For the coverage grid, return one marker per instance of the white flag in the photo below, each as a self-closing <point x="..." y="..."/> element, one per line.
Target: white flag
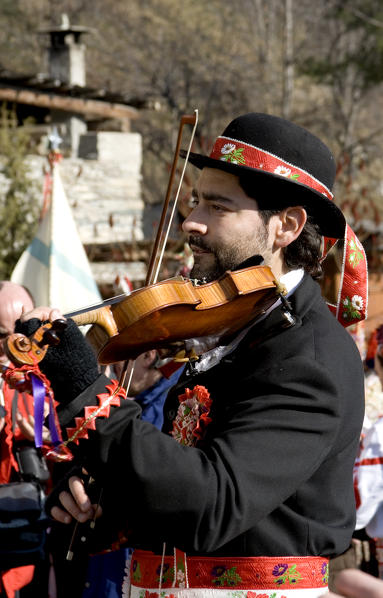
<point x="55" y="267"/>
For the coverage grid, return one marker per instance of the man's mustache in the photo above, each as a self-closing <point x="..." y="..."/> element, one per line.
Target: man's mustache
<point x="200" y="243"/>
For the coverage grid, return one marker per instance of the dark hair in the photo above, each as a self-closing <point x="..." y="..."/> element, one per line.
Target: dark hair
<point x="305" y="251"/>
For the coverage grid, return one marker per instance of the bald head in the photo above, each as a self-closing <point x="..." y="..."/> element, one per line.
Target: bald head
<point x="14" y="300"/>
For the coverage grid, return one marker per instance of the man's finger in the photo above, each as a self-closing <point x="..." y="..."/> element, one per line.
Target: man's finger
<point x="60" y="515"/>
<point x="357" y="584"/>
<point x="71" y="506"/>
<point x="76" y="486"/>
<point x="42" y="313"/>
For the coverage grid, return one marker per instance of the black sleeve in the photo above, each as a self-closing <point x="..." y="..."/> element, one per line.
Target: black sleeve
<point x="201" y="498"/>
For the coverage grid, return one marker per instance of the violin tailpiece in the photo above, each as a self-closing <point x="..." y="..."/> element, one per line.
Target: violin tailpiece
<point x="280" y="288"/>
<point x="185" y="356"/>
<point x="287" y="312"/>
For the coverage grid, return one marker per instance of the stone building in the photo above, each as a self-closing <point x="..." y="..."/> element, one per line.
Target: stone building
<point x="101" y="169"/>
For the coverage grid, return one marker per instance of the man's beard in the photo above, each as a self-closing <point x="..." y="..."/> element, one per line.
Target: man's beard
<point x="225" y="257"/>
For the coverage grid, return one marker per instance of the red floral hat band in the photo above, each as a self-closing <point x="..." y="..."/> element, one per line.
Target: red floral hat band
<point x="243" y="154"/>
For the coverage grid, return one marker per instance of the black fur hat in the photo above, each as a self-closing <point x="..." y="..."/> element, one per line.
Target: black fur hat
<point x="285" y="162"/>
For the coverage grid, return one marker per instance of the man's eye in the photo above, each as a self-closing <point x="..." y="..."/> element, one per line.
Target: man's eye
<point x="217" y="208"/>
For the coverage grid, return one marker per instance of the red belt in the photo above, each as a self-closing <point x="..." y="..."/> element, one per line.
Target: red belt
<point x="227" y="572"/>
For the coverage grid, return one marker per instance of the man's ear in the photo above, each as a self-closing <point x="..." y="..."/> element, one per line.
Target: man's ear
<point x="288" y="226"/>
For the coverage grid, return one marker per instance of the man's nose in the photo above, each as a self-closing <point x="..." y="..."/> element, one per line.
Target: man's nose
<point x="193" y="224"/>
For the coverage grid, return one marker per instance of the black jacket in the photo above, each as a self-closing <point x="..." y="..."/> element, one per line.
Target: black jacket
<point x="273" y="475"/>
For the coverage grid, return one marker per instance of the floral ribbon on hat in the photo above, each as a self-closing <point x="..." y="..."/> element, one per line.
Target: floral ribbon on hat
<point x="244" y="154"/>
<point x="351" y="306"/>
<point x="352" y="301"/>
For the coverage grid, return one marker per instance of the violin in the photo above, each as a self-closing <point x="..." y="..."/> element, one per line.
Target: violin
<point x="158" y="315"/>
<point x="177" y="310"/>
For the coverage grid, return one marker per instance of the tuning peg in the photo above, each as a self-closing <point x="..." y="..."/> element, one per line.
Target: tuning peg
<point x="59" y="325"/>
<point x="50" y="336"/>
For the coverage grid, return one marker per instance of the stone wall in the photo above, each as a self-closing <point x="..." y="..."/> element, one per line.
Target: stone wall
<point x="103" y="188"/>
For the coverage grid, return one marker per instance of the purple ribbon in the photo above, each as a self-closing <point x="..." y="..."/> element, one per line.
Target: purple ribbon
<point x="38" y="391"/>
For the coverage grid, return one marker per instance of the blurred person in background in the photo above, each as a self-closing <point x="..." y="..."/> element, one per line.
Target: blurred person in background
<point x="16" y="433"/>
<point x="369" y="465"/>
<point x="356" y="584"/>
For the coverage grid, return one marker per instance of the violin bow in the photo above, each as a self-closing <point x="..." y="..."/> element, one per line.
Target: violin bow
<point x="161" y="239"/>
<point x="157" y="251"/>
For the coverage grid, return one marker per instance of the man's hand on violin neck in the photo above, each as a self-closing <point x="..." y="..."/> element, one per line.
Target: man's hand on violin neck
<point x="76" y="504"/>
<point x="43" y="314"/>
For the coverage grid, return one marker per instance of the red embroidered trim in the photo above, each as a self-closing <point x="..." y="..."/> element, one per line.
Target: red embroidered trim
<point x="256" y="573"/>
<point x="105" y="400"/>
<point x="238" y="152"/>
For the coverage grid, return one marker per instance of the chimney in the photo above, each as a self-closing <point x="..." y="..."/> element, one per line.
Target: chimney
<point x="66" y="65"/>
<point x="66" y="54"/>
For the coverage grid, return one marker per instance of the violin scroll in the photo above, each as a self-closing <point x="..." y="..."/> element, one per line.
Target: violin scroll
<point x="23" y="350"/>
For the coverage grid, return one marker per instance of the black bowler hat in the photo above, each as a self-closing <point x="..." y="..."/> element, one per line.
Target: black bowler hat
<point x="289" y="166"/>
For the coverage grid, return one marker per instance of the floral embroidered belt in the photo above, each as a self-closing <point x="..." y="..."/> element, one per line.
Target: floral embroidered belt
<point x="179" y="571"/>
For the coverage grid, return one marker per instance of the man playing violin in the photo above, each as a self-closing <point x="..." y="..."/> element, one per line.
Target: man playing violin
<point x="247" y="491"/>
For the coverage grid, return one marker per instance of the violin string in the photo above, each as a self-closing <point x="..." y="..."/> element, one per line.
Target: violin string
<point x="94" y="306"/>
<point x="165" y="239"/>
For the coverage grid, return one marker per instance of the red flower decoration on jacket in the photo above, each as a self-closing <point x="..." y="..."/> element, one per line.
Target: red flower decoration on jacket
<point x="192" y="416"/>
